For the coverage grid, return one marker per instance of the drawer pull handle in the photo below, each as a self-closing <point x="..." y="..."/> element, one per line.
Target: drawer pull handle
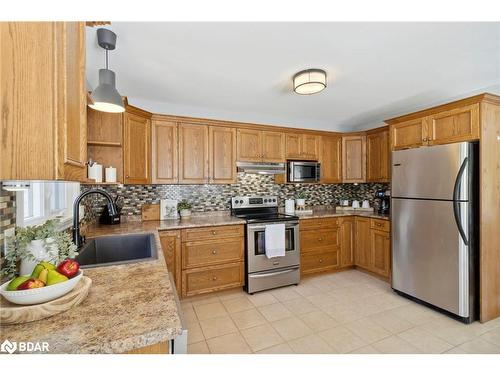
<point x="214" y="252"/>
<point x="378" y="224"/>
<point x="214" y="232"/>
<point x="321" y="260"/>
<point x="214" y="278"/>
<point x="320" y="239"/>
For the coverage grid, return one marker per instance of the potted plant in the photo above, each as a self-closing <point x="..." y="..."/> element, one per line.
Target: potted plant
<point x="184" y="208"/>
<point x="35" y="244"/>
<point x="300" y="199"/>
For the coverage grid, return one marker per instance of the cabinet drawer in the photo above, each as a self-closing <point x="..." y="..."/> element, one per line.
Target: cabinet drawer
<point x="212" y="233"/>
<point x="310" y="224"/>
<point x="319" y="261"/>
<point x="210" y="279"/>
<point x="319" y="239"/>
<point x="380" y="224"/>
<point x="206" y="253"/>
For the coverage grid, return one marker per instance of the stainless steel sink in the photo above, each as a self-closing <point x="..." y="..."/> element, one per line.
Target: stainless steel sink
<point x="118" y="249"/>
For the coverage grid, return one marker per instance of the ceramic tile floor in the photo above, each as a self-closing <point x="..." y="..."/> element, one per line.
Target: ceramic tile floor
<point x="345" y="312"/>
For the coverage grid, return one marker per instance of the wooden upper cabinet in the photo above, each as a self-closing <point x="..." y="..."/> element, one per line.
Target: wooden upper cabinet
<point x="260" y="146"/>
<point x="408" y="134"/>
<point x="43" y="110"/>
<point x="273" y="147"/>
<point x="354" y="158"/>
<point x="347" y="231"/>
<point x="302" y="146"/>
<point x="456" y="125"/>
<point x="164" y="152"/>
<point x="136" y="148"/>
<point x="362" y="254"/>
<point x="193" y="154"/>
<point x="331" y="159"/>
<point x="249" y="145"/>
<point x="378" y="156"/>
<point x="222" y="151"/>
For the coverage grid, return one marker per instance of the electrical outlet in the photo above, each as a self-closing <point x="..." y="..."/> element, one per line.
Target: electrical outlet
<point x="6" y="234"/>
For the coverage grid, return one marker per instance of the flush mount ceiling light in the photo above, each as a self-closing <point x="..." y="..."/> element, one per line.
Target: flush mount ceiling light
<point x="15" y="185"/>
<point x="310" y="81"/>
<point x="105" y="97"/>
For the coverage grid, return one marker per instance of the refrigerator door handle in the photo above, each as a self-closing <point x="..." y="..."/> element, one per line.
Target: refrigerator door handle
<point x="456" y="201"/>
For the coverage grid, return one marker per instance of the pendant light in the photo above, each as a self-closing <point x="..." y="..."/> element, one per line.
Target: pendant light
<point x="310" y="81"/>
<point x="105" y="97"/>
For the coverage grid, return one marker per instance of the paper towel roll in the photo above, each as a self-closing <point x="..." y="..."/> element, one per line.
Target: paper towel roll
<point x="290" y="206"/>
<point x="110" y="174"/>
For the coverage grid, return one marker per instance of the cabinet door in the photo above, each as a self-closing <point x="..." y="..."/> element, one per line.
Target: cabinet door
<point x="293" y="145"/>
<point x="377" y="157"/>
<point x="310" y="147"/>
<point x="380" y="252"/>
<point x="222" y="150"/>
<point x="362" y="255"/>
<point x="171" y="246"/>
<point x="408" y="134"/>
<point x="193" y="154"/>
<point x="331" y="163"/>
<point x="136" y="148"/>
<point x="165" y="152"/>
<point x="456" y="125"/>
<point x="347" y="241"/>
<point x="72" y="102"/>
<point x="354" y="158"/>
<point x="249" y="145"/>
<point x="273" y="147"/>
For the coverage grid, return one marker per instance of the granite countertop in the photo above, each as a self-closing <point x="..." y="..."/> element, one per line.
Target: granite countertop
<point x="331" y="211"/>
<point x="128" y="307"/>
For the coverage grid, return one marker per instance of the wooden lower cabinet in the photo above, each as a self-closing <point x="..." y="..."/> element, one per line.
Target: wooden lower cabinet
<point x="347" y="229"/>
<point x="210" y="279"/>
<point x="319" y="245"/>
<point x="373" y="246"/>
<point x="319" y="261"/>
<point x="159" y="348"/>
<point x="211" y="259"/>
<point x="171" y="246"/>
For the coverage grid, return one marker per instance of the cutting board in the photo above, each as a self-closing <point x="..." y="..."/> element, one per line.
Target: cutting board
<point x="15" y="314"/>
<point x="150" y="212"/>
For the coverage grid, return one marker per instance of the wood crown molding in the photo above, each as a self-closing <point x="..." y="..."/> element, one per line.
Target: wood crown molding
<point x="485" y="97"/>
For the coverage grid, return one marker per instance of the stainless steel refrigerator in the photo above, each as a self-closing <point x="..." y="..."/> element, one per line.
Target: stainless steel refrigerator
<point x="434" y="206"/>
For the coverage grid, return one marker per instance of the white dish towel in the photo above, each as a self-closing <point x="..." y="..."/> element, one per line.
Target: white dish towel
<point x="275" y="240"/>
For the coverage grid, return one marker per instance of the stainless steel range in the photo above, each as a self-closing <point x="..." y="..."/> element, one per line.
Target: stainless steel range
<point x="264" y="273"/>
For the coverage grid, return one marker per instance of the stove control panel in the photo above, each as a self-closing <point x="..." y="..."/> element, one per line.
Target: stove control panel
<point x="254" y="201"/>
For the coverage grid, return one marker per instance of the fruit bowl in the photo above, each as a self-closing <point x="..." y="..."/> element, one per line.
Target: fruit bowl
<point x="40" y="295"/>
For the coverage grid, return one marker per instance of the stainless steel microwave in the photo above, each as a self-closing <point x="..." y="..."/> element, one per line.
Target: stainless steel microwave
<point x="303" y="171"/>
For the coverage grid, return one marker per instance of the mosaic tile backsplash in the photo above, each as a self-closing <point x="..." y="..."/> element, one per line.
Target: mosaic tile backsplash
<point x="7" y="213"/>
<point x="217" y="197"/>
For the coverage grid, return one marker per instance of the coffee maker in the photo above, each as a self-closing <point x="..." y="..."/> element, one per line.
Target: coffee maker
<point x="384" y="197"/>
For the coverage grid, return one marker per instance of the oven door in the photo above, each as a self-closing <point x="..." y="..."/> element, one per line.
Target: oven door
<point x="256" y="248"/>
<point x="303" y="171"/>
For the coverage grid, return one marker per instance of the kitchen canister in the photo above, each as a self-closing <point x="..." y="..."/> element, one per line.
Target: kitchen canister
<point x="290" y="206"/>
<point x="110" y="174"/>
<point x="95" y="172"/>
<point x="355" y="204"/>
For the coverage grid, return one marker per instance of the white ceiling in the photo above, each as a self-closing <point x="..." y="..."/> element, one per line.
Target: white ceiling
<point x="242" y="71"/>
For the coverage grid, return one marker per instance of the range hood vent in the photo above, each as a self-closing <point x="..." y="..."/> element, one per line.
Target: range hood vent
<point x="261" y="168"/>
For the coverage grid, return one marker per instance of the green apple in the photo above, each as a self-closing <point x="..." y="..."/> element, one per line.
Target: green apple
<point x="40" y="267"/>
<point x="54" y="277"/>
<point x="16" y="282"/>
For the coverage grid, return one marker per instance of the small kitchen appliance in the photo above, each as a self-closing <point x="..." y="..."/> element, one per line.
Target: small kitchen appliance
<point x="384" y="198"/>
<point x="261" y="272"/>
<point x="303" y="171"/>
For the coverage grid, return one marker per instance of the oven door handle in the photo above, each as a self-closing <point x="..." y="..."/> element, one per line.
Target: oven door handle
<point x="260" y="227"/>
<point x="259" y="275"/>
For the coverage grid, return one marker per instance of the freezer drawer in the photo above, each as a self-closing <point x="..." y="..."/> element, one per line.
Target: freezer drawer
<point x="429" y="257"/>
<point x="431" y="172"/>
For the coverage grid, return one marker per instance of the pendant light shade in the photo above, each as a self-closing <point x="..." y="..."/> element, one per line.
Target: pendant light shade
<point x="105" y="97"/>
<point x="310" y="81"/>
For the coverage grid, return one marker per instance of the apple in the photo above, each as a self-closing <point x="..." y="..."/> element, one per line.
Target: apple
<point x="31" y="284"/>
<point x="68" y="268"/>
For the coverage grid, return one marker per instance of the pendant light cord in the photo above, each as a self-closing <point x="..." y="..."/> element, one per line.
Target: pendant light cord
<point x="106" y="59"/>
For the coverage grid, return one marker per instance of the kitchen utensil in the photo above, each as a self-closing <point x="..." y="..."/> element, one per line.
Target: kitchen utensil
<point x="39" y="295"/>
<point x="14" y="314"/>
